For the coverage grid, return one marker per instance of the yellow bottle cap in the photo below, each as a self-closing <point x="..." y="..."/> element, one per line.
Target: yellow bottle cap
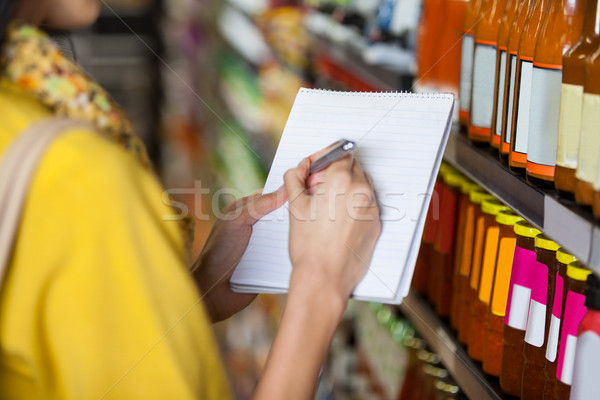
<point x="508" y="217"/>
<point x="453" y="179"/>
<point x="565" y="258"/>
<point x="577" y="272"/>
<point x="543" y="242"/>
<point x="477" y="196"/>
<point x="524" y="228"/>
<point x="443" y="168"/>
<point x="468" y="186"/>
<point x="493" y="206"/>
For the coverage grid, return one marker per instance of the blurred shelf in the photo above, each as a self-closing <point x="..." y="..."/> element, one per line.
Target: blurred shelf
<point x="468" y="374"/>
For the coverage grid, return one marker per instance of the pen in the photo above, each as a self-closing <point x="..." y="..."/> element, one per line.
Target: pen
<point x="339" y="149"/>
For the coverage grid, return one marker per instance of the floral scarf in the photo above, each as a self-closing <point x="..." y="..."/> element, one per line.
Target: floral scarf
<point x="34" y="63"/>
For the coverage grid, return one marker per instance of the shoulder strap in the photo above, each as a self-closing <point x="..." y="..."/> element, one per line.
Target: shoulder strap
<point x="17" y="168"/>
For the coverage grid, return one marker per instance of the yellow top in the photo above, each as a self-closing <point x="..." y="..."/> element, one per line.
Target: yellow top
<point x="543" y="242"/>
<point x="477" y="196"/>
<point x="97" y="301"/>
<point x="493" y="206"/>
<point x="524" y="228"/>
<point x="577" y="272"/>
<point x="565" y="258"/>
<point x="468" y="186"/>
<point x="508" y="217"/>
<point x="453" y="179"/>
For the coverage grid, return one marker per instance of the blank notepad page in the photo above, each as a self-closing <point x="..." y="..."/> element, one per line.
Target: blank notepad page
<point x="400" y="139"/>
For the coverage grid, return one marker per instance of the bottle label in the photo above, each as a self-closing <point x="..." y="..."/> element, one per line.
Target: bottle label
<point x="575" y="310"/>
<point x="519" y="291"/>
<point x="586" y="384"/>
<point x="506" y="252"/>
<point x="512" y="72"/>
<point x="488" y="264"/>
<point x="484" y="73"/>
<point x="552" y="346"/>
<point x="466" y="71"/>
<point x="523" y="98"/>
<point x="543" y="119"/>
<point x="569" y="125"/>
<point x="500" y="82"/>
<point x="536" y="321"/>
<point x="589" y="139"/>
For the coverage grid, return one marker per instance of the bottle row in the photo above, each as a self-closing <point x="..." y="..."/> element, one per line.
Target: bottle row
<point x="521" y="304"/>
<point x="530" y="87"/>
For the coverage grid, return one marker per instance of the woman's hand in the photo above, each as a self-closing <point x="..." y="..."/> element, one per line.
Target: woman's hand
<point x="334" y="224"/>
<point x="223" y="250"/>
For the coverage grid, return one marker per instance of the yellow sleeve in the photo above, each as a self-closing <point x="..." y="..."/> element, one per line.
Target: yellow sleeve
<point x="98" y="302"/>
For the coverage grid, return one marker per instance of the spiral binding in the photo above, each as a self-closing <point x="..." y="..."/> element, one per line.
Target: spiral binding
<point x="396" y="94"/>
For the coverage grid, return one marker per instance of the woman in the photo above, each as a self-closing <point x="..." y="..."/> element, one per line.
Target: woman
<point x="98" y="301"/>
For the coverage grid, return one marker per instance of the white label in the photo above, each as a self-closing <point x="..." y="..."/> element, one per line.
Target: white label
<point x="569" y="360"/>
<point x="536" y="324"/>
<point x="569" y="125"/>
<point x="523" y="102"/>
<point x="466" y="71"/>
<point x="511" y="95"/>
<point x="552" y="346"/>
<point x="519" y="309"/>
<point x="589" y="139"/>
<point x="484" y="72"/>
<point x="543" y="116"/>
<point x="500" y="98"/>
<point x="586" y="384"/>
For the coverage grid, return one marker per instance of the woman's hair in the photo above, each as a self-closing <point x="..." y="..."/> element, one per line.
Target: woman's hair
<point x="6" y="11"/>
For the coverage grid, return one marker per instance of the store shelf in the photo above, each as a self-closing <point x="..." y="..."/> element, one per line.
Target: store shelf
<point x="468" y="374"/>
<point x="562" y="220"/>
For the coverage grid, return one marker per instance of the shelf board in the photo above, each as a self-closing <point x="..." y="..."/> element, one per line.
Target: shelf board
<point x="467" y="373"/>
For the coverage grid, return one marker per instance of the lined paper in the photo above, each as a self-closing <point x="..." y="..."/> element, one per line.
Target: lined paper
<point x="400" y="141"/>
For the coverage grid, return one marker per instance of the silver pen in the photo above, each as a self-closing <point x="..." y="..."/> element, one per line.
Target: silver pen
<point x="338" y="150"/>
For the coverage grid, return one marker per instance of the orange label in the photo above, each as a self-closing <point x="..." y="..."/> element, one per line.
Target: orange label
<point x="489" y="263"/>
<point x="506" y="252"/>
<point x="477" y="252"/>
<point x="467" y="247"/>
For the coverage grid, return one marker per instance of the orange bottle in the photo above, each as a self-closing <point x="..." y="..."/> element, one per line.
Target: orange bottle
<point x="511" y="71"/>
<point x="571" y="100"/>
<point x="484" y="70"/>
<point x="501" y="58"/>
<point x="481" y="278"/>
<point x="589" y="139"/>
<point x="517" y="158"/>
<point x="466" y="60"/>
<point x="560" y="29"/>
<point x="494" y="323"/>
<point x="430" y="30"/>
<point x="447" y="68"/>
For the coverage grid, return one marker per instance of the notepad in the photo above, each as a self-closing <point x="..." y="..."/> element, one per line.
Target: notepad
<point x="400" y="140"/>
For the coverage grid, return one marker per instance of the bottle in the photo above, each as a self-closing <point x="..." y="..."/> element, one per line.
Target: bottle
<point x="511" y="71"/>
<point x="517" y="308"/>
<point x="538" y="321"/>
<point x="574" y="312"/>
<point x="484" y="64"/>
<point x="429" y="32"/>
<point x="560" y="29"/>
<point x="447" y="68"/>
<point x="444" y="245"/>
<point x="571" y="100"/>
<point x="466" y="188"/>
<point x="501" y="58"/>
<point x="482" y="274"/>
<point x="562" y="260"/>
<point x="413" y="346"/>
<point x="517" y="157"/>
<point x="589" y="140"/>
<point x="466" y="61"/>
<point x="586" y="384"/>
<point x="494" y="320"/>
<point x="471" y="250"/>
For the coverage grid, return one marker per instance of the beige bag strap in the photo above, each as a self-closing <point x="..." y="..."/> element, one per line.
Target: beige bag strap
<point x="17" y="168"/>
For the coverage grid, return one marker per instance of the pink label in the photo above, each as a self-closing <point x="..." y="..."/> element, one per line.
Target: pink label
<point x="558" y="295"/>
<point x="520" y="275"/>
<point x="574" y="313"/>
